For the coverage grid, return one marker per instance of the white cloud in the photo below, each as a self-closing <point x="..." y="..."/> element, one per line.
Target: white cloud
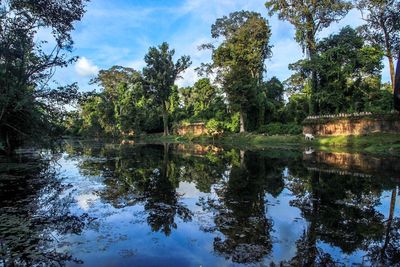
<point x="85" y="67"/>
<point x="137" y="64"/>
<point x="120" y="33"/>
<point x="189" y="77"/>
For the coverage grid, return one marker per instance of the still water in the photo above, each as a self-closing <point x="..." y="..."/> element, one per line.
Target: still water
<point x="96" y="204"/>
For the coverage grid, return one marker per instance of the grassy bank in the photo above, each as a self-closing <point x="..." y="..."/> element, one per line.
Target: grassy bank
<point x="378" y="144"/>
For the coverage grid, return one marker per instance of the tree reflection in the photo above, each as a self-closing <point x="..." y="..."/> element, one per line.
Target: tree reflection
<point x="33" y="213"/>
<point x="240" y="210"/>
<point x="141" y="175"/>
<point x="341" y="210"/>
<point x="386" y="252"/>
<point x="162" y="199"/>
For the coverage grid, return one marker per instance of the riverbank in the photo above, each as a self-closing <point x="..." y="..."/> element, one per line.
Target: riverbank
<point x="377" y="144"/>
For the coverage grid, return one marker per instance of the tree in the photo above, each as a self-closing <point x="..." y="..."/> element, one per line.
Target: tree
<point x="309" y="17"/>
<point x="382" y="27"/>
<point x="296" y="110"/>
<point x="397" y="86"/>
<point x="274" y="99"/>
<point x="239" y="60"/>
<point x="348" y="74"/>
<point x="160" y="75"/>
<point x="27" y="105"/>
<point x="203" y="101"/>
<point x="122" y="108"/>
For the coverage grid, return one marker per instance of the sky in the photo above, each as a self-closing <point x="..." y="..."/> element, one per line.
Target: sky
<point x="120" y="32"/>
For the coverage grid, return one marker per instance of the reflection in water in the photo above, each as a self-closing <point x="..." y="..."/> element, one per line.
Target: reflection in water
<point x="240" y="210"/>
<point x="33" y="213"/>
<point x="180" y="205"/>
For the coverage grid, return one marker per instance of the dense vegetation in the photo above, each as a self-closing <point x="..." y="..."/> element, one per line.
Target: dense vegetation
<point x="30" y="110"/>
<point x="340" y="73"/>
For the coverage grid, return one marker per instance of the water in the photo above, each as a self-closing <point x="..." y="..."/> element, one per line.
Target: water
<point x="96" y="204"/>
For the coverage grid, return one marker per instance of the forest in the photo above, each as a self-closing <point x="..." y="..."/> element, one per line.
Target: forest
<point x="341" y="73"/>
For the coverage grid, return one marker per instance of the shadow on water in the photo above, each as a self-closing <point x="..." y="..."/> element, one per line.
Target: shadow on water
<point x="33" y="212"/>
<point x="204" y="205"/>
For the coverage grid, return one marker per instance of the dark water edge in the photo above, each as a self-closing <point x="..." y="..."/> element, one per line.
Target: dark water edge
<point x="104" y="204"/>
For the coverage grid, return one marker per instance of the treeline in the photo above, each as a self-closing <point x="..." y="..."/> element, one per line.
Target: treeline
<point x="341" y="74"/>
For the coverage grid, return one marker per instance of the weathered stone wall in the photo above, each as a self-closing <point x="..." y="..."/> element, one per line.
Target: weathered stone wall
<point x="352" y="125"/>
<point x="195" y="129"/>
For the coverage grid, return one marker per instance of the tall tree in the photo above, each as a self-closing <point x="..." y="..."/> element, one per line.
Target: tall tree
<point x="275" y="102"/>
<point x="397" y="86"/>
<point x="309" y="17"/>
<point x="348" y="74"/>
<point x="203" y="100"/>
<point x="239" y="59"/>
<point x="382" y="27"/>
<point x="160" y="75"/>
<point x="121" y="108"/>
<point x="27" y="103"/>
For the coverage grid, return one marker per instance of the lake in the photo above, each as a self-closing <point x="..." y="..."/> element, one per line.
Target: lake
<point x="102" y="204"/>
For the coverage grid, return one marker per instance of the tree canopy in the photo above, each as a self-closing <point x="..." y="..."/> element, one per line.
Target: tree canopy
<point x="28" y="106"/>
<point x="239" y="60"/>
<point x="382" y="27"/>
<point x="161" y="73"/>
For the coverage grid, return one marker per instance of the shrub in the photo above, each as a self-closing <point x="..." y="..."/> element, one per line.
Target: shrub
<point x="214" y="127"/>
<point x="233" y="124"/>
<point x="280" y="128"/>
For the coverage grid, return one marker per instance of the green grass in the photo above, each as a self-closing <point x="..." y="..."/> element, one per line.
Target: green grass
<point x="378" y="144"/>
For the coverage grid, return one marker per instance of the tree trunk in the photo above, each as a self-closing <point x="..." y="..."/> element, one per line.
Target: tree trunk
<point x="242" y="155"/>
<point x="164" y="168"/>
<point x="389" y="54"/>
<point x="165" y="119"/>
<point x="242" y="121"/>
<point x="397" y="86"/>
<point x="312" y="51"/>
<point x="391" y="68"/>
<point x="389" y="223"/>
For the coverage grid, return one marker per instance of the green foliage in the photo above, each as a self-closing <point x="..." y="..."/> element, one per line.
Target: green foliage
<point x="281" y="129"/>
<point x="202" y="101"/>
<point x="297" y="109"/>
<point x="214" y="127"/>
<point x="382" y="27"/>
<point x="233" y="124"/>
<point x="274" y="105"/>
<point x="121" y="108"/>
<point x="308" y="17"/>
<point x="348" y="71"/>
<point x="160" y="75"/>
<point x="239" y="60"/>
<point x="30" y="111"/>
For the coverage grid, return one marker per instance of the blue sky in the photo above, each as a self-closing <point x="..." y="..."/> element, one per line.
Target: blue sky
<point x="120" y="32"/>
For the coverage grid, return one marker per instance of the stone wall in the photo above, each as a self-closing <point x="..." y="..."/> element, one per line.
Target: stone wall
<point x="352" y="125"/>
<point x="195" y="129"/>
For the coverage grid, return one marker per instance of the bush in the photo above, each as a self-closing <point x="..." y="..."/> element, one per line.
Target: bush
<point x="233" y="124"/>
<point x="280" y="128"/>
<point x="214" y="127"/>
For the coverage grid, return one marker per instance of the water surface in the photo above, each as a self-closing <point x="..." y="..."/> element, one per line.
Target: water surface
<point x="97" y="204"/>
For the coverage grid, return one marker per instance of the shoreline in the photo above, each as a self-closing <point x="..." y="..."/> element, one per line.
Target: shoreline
<point x="380" y="144"/>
